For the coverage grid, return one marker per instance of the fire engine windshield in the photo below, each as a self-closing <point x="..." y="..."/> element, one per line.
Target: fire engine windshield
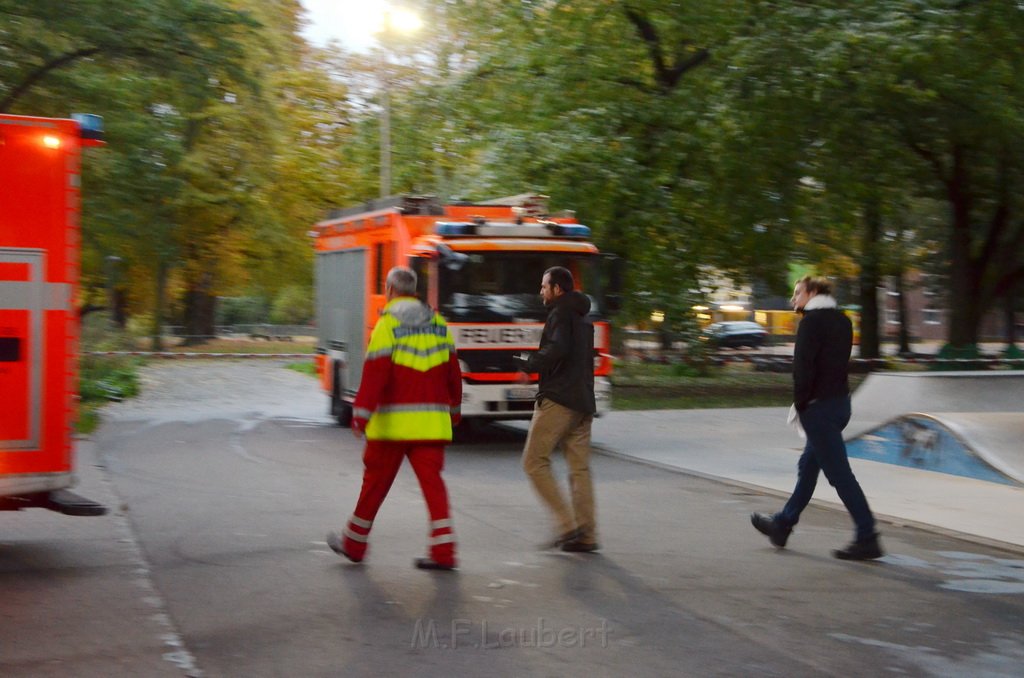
<point x="505" y="286"/>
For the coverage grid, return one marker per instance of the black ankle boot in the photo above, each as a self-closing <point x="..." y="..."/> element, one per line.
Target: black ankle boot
<point x="864" y="549"/>
<point x="768" y="526"/>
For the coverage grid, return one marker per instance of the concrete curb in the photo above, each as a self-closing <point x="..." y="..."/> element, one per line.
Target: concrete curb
<point x="171" y="354"/>
<point x="820" y="503"/>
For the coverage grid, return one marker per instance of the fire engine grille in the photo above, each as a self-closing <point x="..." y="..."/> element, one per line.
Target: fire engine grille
<point x="489" y="361"/>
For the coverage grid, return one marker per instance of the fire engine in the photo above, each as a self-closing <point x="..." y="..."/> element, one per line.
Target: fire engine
<point x="39" y="246"/>
<point x="480" y="265"/>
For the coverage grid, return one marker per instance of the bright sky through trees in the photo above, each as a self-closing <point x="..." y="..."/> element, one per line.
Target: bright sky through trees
<point x="353" y="23"/>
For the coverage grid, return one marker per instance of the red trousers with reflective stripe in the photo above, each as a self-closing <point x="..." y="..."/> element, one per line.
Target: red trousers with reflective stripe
<point x="381" y="461"/>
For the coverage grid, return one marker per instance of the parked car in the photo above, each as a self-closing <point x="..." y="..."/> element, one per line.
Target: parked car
<point x="735" y="334"/>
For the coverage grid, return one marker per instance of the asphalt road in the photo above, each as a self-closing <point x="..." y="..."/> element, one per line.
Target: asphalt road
<point x="225" y="476"/>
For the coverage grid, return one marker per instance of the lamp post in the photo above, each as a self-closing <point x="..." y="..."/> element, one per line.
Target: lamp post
<point x="396" y="22"/>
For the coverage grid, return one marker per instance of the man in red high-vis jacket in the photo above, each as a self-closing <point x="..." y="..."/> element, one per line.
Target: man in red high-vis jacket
<point x="407" y="404"/>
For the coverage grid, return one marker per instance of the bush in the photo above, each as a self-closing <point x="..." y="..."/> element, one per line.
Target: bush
<point x="98" y="335"/>
<point x="241" y="310"/>
<point x="293" y="306"/>
<point x="104" y="378"/>
<point x="960" y="358"/>
<point x="101" y="379"/>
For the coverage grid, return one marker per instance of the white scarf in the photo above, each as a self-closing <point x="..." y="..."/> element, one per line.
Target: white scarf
<point x="820" y="301"/>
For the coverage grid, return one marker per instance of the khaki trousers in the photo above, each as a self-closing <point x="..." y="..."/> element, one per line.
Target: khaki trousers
<point x="555" y="425"/>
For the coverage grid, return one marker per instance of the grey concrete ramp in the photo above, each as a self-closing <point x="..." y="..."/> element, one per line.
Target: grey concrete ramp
<point x="886" y="395"/>
<point x="982" y="445"/>
<point x="998" y="437"/>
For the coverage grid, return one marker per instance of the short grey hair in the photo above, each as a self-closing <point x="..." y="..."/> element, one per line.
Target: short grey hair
<point x="402" y="280"/>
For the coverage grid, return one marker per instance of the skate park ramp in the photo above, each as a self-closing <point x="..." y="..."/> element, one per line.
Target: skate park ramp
<point x="963" y="423"/>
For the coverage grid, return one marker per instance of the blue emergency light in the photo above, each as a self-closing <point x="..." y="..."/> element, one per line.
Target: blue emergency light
<point x="450" y="228"/>
<point x="547" y="229"/>
<point x="90" y="126"/>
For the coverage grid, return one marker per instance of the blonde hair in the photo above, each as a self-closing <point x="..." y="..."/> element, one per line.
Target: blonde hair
<point x="815" y="284"/>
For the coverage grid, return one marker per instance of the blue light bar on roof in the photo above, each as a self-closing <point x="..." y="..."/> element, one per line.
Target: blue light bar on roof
<point x="448" y="228"/>
<point x="574" y="230"/>
<point x="547" y="229"/>
<point x="90" y="126"/>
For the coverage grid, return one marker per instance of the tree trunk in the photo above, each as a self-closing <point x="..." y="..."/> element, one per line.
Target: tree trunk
<point x="965" y="309"/>
<point x="120" y="308"/>
<point x="1011" y="317"/>
<point x="157" y="328"/>
<point x="869" y="274"/>
<point x="200" y="311"/>
<point x="904" y="313"/>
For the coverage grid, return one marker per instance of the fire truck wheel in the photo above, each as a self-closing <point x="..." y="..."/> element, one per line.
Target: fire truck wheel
<point x="342" y="411"/>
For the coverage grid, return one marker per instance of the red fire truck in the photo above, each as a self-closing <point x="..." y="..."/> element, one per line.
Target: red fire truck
<point x="39" y="249"/>
<point x="480" y="264"/>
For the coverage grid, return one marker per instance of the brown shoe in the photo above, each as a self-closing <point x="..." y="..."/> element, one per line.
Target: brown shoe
<point x="577" y="546"/>
<point x="559" y="541"/>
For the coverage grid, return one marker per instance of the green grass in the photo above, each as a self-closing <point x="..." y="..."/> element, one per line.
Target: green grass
<point x="240" y="346"/>
<point x="102" y="379"/>
<point x="87" y="419"/>
<point x="644" y="386"/>
<point x="308" y="367"/>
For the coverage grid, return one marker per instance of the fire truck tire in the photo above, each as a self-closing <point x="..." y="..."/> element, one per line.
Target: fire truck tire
<point x="341" y="410"/>
<point x="344" y="415"/>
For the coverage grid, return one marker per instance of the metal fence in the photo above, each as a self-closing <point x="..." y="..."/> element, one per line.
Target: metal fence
<point x="265" y="331"/>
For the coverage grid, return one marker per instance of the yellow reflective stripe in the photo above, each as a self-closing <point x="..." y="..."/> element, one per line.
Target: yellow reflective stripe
<point x="380" y="353"/>
<point x="421" y="352"/>
<point x="419" y="362"/>
<point x="421" y="348"/>
<point x="414" y="407"/>
<point x="404" y="424"/>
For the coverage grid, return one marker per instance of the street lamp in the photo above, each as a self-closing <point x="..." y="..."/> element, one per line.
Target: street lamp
<point x="396" y="21"/>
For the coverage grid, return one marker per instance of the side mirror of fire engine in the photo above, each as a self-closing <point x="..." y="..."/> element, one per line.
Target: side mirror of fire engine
<point x="452" y="260"/>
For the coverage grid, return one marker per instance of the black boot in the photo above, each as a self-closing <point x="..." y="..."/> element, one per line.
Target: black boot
<point x="864" y="549"/>
<point x="768" y="526"/>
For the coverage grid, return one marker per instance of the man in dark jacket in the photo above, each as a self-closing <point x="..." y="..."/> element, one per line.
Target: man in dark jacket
<point x="564" y="410"/>
<point x="821" y="396"/>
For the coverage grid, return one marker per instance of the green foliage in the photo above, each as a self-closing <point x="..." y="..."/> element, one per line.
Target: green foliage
<point x="242" y="310"/>
<point x="950" y="352"/>
<point x="292" y="306"/>
<point x="97" y="334"/>
<point x="102" y="379"/>
<point x="734" y="137"/>
<point x="108" y="378"/>
<point x="959" y="358"/>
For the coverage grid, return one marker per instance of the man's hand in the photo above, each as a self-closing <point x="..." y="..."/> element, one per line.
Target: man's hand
<point x="357" y="428"/>
<point x="522" y="378"/>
